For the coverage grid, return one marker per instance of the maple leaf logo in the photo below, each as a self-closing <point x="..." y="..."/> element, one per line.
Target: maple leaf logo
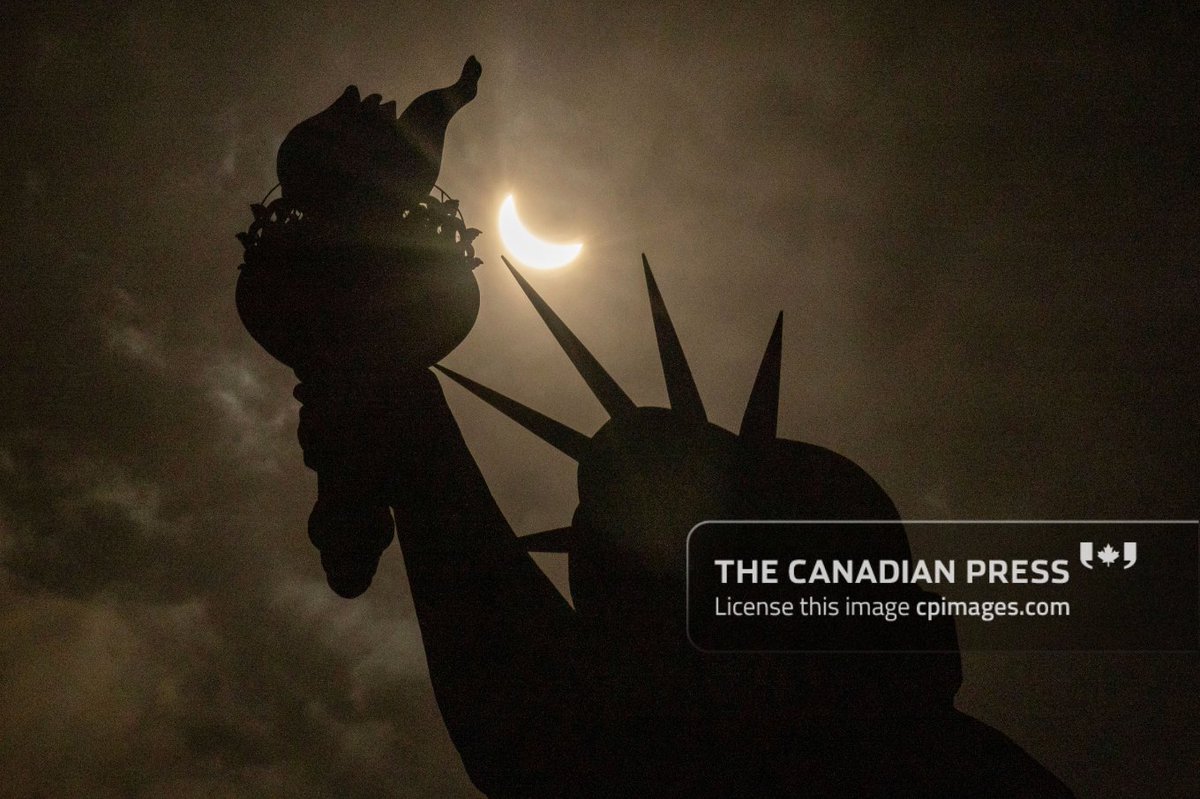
<point x="1108" y="555"/>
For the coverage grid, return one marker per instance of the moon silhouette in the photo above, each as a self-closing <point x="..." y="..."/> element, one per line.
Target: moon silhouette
<point x="528" y="248"/>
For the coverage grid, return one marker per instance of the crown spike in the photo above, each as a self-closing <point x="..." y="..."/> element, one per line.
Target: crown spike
<point x="761" y="419"/>
<point x="681" y="386"/>
<point x="611" y="396"/>
<point x="558" y="540"/>
<point x="555" y="433"/>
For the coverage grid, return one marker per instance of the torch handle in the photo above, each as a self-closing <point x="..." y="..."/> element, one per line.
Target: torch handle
<point x="350" y="530"/>
<point x="342" y="432"/>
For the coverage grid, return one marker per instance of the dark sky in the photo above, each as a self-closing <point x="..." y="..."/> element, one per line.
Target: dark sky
<point x="981" y="226"/>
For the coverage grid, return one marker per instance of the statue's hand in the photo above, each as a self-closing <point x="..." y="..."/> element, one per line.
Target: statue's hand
<point x="363" y="440"/>
<point x="350" y="523"/>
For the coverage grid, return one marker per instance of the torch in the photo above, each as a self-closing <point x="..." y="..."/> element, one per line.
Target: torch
<point x="359" y="280"/>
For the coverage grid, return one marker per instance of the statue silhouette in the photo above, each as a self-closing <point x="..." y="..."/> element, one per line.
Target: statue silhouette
<point x="606" y="698"/>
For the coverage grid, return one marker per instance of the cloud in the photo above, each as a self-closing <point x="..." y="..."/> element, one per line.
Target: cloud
<point x="167" y="628"/>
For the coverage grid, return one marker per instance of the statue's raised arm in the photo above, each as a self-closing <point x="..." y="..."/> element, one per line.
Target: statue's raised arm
<point x="360" y="280"/>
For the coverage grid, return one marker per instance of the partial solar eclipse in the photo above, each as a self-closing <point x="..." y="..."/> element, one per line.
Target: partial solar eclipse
<point x="528" y="248"/>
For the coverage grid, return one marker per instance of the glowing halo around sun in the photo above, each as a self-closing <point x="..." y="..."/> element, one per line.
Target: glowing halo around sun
<point x="528" y="248"/>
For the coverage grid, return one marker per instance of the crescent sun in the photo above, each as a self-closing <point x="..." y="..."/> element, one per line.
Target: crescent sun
<point x="528" y="248"/>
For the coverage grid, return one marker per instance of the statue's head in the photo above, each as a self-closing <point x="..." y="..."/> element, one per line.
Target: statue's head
<point x="650" y="475"/>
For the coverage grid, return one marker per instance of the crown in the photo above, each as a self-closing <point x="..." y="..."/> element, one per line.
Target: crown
<point x="759" y="421"/>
